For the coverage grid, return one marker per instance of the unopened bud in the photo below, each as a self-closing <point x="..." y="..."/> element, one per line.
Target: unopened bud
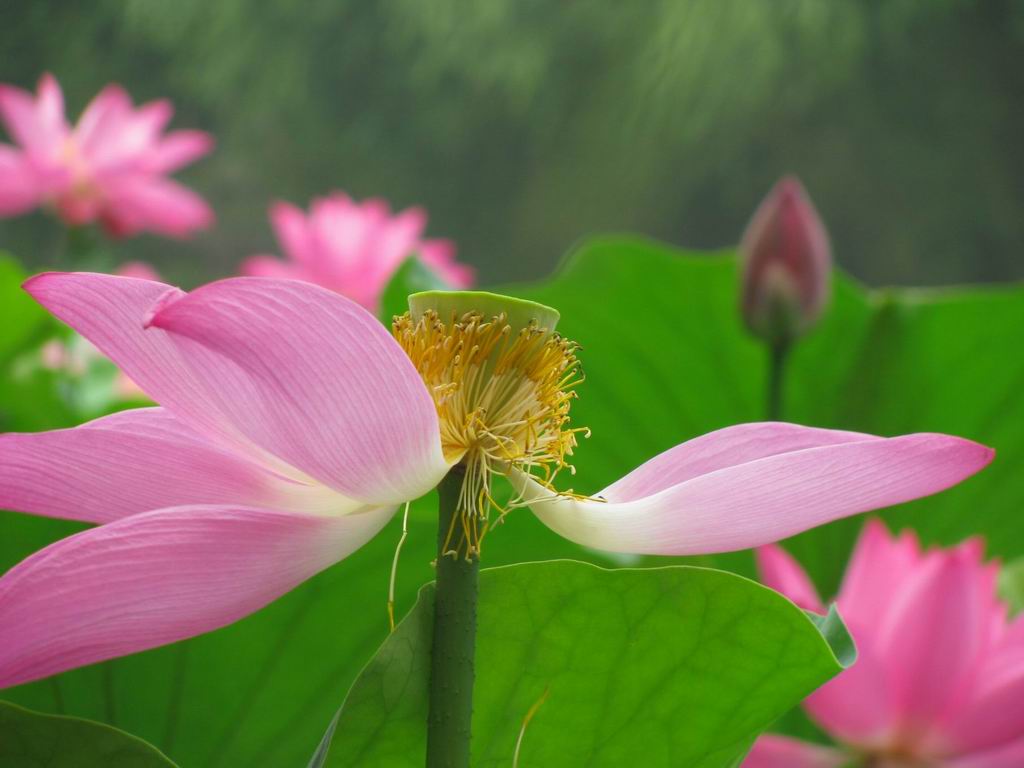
<point x="786" y="262"/>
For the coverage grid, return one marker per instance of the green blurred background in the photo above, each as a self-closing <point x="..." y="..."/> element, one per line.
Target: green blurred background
<point x="522" y="125"/>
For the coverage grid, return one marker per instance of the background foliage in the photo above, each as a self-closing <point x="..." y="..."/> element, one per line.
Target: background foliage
<point x="522" y="124"/>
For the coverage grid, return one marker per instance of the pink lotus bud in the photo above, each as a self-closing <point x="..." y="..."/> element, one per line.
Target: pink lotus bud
<point x="786" y="261"/>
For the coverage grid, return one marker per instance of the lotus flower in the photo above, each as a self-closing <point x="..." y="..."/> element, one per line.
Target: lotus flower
<point x="786" y="262"/>
<point x="292" y="424"/>
<point x="939" y="679"/>
<point x="354" y="248"/>
<point x="111" y="167"/>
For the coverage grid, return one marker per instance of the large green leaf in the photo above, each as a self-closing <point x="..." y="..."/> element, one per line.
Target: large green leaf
<point x="667" y="359"/>
<point x="35" y="740"/>
<point x="30" y="397"/>
<point x="22" y="320"/>
<point x="684" y="666"/>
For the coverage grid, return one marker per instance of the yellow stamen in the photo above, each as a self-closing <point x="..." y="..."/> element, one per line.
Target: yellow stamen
<point x="502" y="397"/>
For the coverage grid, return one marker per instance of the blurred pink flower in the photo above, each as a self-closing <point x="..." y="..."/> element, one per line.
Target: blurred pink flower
<point x="786" y="262"/>
<point x="111" y="167"/>
<point x="939" y="679"/>
<point x="354" y="248"/>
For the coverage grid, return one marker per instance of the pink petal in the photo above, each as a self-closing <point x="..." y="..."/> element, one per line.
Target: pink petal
<point x="137" y="203"/>
<point x="1010" y="755"/>
<point x="127" y="136"/>
<point x="17" y="110"/>
<point x="134" y="462"/>
<point x="780" y="571"/>
<point x="936" y="625"/>
<point x="995" y="714"/>
<point x="158" y="577"/>
<point x="857" y="705"/>
<point x="50" y="111"/>
<point x="38" y="125"/>
<point x="717" y="507"/>
<point x="102" y="119"/>
<point x="771" y="751"/>
<point x="722" y="449"/>
<point x="110" y="312"/>
<point x="178" y="149"/>
<point x="878" y="562"/>
<point x="314" y="379"/>
<point x="19" y="187"/>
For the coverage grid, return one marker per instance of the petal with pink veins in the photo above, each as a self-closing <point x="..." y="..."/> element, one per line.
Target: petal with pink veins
<point x="314" y="379"/>
<point x="771" y="751"/>
<point x="111" y="311"/>
<point x="348" y="365"/>
<point x="780" y="571"/>
<point x="138" y="461"/>
<point x="717" y="499"/>
<point x="722" y="449"/>
<point x="158" y="577"/>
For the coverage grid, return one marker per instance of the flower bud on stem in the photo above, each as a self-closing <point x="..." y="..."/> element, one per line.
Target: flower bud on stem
<point x="786" y="263"/>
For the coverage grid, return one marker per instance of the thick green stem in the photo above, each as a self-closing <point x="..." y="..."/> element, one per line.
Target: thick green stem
<point x="778" y="352"/>
<point x="453" y="650"/>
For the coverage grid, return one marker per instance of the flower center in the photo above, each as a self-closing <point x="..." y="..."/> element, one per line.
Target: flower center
<point x="502" y="395"/>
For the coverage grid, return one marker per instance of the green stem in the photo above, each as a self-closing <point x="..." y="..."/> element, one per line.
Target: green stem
<point x="778" y="353"/>
<point x="454" y="646"/>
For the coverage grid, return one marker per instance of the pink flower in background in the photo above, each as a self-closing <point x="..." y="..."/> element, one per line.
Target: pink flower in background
<point x="111" y="167"/>
<point x="292" y="425"/>
<point x="354" y="248"/>
<point x="939" y="678"/>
